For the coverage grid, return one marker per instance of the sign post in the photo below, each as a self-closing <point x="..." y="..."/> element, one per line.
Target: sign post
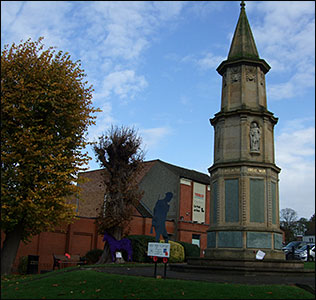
<point x="159" y="250"/>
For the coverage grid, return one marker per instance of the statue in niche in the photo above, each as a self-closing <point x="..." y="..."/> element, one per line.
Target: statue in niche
<point x="255" y="135"/>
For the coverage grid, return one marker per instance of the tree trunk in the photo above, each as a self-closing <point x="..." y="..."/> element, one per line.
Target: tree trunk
<point x="9" y="250"/>
<point x="106" y="255"/>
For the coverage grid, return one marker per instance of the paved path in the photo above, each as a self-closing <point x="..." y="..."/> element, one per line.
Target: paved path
<point x="307" y="282"/>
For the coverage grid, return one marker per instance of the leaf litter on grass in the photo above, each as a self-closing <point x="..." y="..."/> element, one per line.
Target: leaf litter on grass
<point x="123" y="286"/>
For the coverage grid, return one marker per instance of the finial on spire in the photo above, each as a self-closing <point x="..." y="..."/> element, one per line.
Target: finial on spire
<point x="242" y="4"/>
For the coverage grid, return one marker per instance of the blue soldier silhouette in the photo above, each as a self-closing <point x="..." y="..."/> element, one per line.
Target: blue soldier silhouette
<point x="160" y="215"/>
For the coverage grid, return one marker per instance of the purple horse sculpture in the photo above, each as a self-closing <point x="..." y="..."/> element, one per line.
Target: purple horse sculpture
<point x="115" y="245"/>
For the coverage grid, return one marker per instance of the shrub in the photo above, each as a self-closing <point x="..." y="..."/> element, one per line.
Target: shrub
<point x="93" y="256"/>
<point x="140" y="245"/>
<point x="190" y="250"/>
<point x="176" y="252"/>
<point x="22" y="267"/>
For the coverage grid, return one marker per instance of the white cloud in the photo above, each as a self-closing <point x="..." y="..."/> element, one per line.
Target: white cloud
<point x="203" y="9"/>
<point x="10" y="11"/>
<point x="286" y="47"/>
<point x="125" y="84"/>
<point x="210" y="61"/>
<point x="168" y="9"/>
<point x="20" y="21"/>
<point x="153" y="136"/>
<point x="206" y="61"/>
<point x="295" y="154"/>
<point x="125" y="29"/>
<point x="281" y="91"/>
<point x="295" y="146"/>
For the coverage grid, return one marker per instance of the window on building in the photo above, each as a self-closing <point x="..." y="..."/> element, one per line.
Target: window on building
<point x="196" y="239"/>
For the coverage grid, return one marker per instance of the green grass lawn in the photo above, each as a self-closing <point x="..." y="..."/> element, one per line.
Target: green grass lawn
<point x="90" y="284"/>
<point x="309" y="265"/>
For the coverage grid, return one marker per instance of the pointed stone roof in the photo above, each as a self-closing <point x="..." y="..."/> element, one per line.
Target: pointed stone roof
<point x="243" y="48"/>
<point x="243" y="44"/>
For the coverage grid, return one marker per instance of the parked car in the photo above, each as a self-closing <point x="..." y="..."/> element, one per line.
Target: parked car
<point x="303" y="253"/>
<point x="289" y="248"/>
<point x="301" y="249"/>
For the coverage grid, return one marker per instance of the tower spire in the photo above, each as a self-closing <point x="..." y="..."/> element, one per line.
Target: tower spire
<point x="243" y="44"/>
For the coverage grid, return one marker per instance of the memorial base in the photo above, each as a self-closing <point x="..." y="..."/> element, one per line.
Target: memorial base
<point x="242" y="254"/>
<point x="243" y="267"/>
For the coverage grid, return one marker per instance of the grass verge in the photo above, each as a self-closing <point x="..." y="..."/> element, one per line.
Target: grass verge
<point x="89" y="284"/>
<point x="309" y="265"/>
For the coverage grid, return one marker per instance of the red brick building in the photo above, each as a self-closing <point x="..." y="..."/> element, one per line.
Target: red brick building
<point x="187" y="220"/>
<point x="188" y="216"/>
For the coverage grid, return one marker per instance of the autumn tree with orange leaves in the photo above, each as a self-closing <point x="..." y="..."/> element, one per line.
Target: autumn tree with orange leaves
<point x="46" y="109"/>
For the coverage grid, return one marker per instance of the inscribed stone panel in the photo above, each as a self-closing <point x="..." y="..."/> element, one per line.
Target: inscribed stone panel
<point x="231" y="200"/>
<point x="259" y="240"/>
<point x="257" y="200"/>
<point x="214" y="199"/>
<point x="211" y="239"/>
<point x="273" y="195"/>
<point x="230" y="239"/>
<point x="277" y="241"/>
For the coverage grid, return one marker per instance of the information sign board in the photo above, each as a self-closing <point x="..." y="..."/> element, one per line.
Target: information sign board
<point x="198" y="212"/>
<point x="158" y="249"/>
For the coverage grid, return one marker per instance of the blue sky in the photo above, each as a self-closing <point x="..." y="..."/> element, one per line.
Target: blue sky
<point x="153" y="67"/>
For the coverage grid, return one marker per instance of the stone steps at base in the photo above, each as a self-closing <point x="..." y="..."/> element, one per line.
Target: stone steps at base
<point x="240" y="270"/>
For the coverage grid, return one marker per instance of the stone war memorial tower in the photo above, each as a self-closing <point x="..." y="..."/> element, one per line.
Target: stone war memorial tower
<point x="244" y="178"/>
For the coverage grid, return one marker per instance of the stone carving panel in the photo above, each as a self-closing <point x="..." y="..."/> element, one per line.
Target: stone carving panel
<point x="258" y="171"/>
<point x="250" y="74"/>
<point x="235" y="75"/>
<point x="262" y="79"/>
<point x="231" y="170"/>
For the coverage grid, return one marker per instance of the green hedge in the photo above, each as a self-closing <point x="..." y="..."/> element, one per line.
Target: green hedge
<point x="190" y="250"/>
<point x="140" y="245"/>
<point x="176" y="252"/>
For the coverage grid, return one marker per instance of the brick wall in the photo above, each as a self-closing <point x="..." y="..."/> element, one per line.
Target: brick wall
<point x="76" y="238"/>
<point x="92" y="194"/>
<point x="187" y="228"/>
